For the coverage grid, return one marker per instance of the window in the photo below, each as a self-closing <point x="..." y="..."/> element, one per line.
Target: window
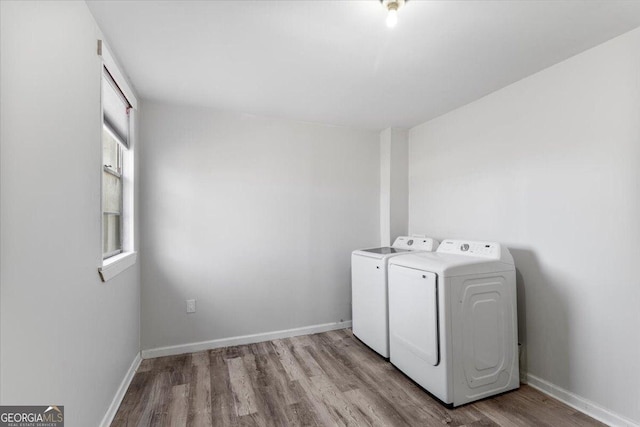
<point x="111" y="194"/>
<point x="115" y="140"/>
<point x="116" y="170"/>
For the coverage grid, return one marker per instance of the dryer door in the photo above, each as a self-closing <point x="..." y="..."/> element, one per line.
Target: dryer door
<point x="413" y="312"/>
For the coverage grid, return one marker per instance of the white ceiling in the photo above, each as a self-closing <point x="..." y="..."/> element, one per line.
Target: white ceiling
<point x="336" y="62"/>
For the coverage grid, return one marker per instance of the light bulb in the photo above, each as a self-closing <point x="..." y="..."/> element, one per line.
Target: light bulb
<point x="392" y="18"/>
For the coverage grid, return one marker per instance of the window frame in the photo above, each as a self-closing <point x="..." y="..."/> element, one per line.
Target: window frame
<point x="117" y="263"/>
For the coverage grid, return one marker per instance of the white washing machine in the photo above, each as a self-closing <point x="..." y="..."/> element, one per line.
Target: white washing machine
<point x="452" y="320"/>
<point x="369" y="298"/>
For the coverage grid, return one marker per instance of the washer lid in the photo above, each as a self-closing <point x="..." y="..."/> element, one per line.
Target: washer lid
<point x="381" y="253"/>
<point x="385" y="251"/>
<point x="402" y="245"/>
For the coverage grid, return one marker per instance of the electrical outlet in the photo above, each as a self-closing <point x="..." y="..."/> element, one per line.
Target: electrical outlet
<point x="191" y="306"/>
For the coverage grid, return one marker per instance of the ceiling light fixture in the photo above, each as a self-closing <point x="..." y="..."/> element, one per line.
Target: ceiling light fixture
<point x="392" y="7"/>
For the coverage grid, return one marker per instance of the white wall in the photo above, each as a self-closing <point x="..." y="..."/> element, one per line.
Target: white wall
<point x="399" y="183"/>
<point x="551" y="166"/>
<point x="385" y="187"/>
<point x="66" y="337"/>
<point x="255" y="218"/>
<point x="394" y="187"/>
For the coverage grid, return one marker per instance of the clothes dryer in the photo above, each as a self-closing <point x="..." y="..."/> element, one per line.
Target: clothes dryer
<point x="452" y="320"/>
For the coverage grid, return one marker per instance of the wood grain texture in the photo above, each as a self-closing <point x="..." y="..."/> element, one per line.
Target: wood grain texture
<point x="200" y="413"/>
<point x="178" y="411"/>
<point x="328" y="379"/>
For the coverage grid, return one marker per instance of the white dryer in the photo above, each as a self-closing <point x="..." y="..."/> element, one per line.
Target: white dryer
<point x="369" y="298"/>
<point x="452" y="320"/>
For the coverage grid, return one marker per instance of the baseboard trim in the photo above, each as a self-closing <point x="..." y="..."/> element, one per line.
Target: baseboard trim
<point x="117" y="399"/>
<point x="580" y="403"/>
<point x="244" y="339"/>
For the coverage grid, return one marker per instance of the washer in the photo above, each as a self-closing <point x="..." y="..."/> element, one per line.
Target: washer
<point x="452" y="320"/>
<point x="369" y="300"/>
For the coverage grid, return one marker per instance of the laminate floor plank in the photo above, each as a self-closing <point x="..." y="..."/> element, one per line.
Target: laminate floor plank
<point x="146" y="365"/>
<point x="288" y="361"/>
<point x="340" y="407"/>
<point x="396" y="397"/>
<point x="344" y="380"/>
<point x="262" y="396"/>
<point x="272" y="373"/>
<point x="153" y="410"/>
<point x="171" y="362"/>
<point x="136" y="394"/>
<point x="498" y="415"/>
<point x="308" y="364"/>
<point x="244" y="397"/>
<point x="327" y="379"/>
<point x="200" y="358"/>
<point x="178" y="410"/>
<point x="301" y="414"/>
<point x="356" y="369"/>
<point x="200" y="412"/>
<point x="376" y="375"/>
<point x="222" y="404"/>
<point x="374" y="413"/>
<point x="324" y="413"/>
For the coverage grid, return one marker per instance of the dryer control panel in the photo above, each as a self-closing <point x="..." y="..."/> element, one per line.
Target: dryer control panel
<point x="491" y="250"/>
<point x="416" y="243"/>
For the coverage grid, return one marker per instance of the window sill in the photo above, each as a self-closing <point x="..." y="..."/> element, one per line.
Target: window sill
<point x="117" y="264"/>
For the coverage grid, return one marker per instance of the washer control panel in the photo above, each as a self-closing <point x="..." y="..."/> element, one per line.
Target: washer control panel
<point x="464" y="247"/>
<point x="416" y="243"/>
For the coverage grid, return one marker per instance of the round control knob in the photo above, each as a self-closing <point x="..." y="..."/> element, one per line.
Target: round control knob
<point x="410" y="242"/>
<point x="464" y="247"/>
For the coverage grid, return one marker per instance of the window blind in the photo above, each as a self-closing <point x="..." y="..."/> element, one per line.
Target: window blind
<point x="115" y="109"/>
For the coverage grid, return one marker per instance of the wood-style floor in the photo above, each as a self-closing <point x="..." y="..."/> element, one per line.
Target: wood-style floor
<point x="326" y="379"/>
